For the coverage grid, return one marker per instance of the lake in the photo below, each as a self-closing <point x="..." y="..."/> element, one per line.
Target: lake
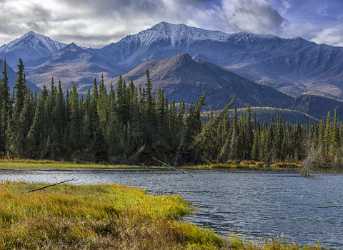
<point x="255" y="205"/>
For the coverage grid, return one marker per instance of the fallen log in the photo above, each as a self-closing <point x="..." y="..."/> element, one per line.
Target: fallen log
<point x="51" y="185"/>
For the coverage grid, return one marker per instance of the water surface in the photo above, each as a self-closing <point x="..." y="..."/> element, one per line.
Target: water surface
<point x="255" y="205"/>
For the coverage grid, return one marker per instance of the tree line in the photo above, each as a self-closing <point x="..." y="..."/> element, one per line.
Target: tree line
<point x="134" y="124"/>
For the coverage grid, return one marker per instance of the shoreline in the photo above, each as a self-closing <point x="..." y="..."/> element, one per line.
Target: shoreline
<point x="21" y="165"/>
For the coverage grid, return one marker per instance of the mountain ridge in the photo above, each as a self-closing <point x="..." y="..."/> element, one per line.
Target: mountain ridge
<point x="30" y="47"/>
<point x="183" y="78"/>
<point x="293" y="66"/>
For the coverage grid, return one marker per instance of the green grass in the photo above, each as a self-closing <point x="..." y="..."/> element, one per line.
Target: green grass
<point x="104" y="217"/>
<point x="25" y="164"/>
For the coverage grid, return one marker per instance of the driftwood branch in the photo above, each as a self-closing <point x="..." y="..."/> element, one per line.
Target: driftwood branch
<point x="51" y="185"/>
<point x="168" y="166"/>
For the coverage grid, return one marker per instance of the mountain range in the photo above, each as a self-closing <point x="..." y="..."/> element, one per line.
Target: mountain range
<point x="259" y="70"/>
<point x="184" y="78"/>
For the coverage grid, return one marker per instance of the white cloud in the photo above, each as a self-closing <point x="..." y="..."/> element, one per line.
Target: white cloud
<point x="333" y="36"/>
<point x="256" y="16"/>
<point x="90" y="22"/>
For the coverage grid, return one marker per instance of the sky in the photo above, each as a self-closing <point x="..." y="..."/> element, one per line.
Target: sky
<point x="95" y="23"/>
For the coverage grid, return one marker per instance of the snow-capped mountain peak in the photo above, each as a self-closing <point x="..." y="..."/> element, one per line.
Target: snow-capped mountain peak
<point x="29" y="47"/>
<point x="176" y="33"/>
<point x="35" y="41"/>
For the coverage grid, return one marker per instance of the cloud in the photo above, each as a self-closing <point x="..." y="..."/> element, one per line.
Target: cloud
<point x="256" y="16"/>
<point x="333" y="36"/>
<point x="19" y="16"/>
<point x="96" y="23"/>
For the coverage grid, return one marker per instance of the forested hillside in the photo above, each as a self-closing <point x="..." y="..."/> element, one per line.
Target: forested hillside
<point x="135" y="125"/>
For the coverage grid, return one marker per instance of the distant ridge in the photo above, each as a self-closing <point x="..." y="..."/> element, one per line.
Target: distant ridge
<point x="269" y="114"/>
<point x="183" y="78"/>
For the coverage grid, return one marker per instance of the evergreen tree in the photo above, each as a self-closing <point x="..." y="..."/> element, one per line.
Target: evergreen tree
<point x="19" y="146"/>
<point x="137" y="125"/>
<point x="36" y="137"/>
<point x="4" y="108"/>
<point x="75" y="120"/>
<point x="20" y="90"/>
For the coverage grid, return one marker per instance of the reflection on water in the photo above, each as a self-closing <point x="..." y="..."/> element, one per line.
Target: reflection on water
<point x="256" y="205"/>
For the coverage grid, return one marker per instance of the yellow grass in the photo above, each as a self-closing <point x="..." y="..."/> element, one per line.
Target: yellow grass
<point x="24" y="164"/>
<point x="27" y="164"/>
<point x="96" y="217"/>
<point x="104" y="217"/>
<point x="237" y="244"/>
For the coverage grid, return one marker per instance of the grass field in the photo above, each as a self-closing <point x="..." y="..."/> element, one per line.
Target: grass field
<point x="103" y="217"/>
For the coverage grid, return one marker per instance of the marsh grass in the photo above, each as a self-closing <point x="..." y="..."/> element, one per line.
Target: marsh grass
<point x="103" y="217"/>
<point x="27" y="164"/>
<point x="236" y="243"/>
<point x="96" y="217"/>
<point x="24" y="164"/>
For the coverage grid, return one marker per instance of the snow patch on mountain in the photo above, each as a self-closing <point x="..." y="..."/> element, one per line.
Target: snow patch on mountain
<point x="33" y="40"/>
<point x="175" y="33"/>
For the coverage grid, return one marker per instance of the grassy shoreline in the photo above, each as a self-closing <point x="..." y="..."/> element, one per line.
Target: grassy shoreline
<point x="93" y="217"/>
<point x="23" y="164"/>
<point x="250" y="165"/>
<point x="104" y="217"/>
<point x="48" y="165"/>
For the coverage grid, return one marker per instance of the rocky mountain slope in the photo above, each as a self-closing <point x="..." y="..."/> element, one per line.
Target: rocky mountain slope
<point x="318" y="106"/>
<point x="72" y="64"/>
<point x="294" y="66"/>
<point x="32" y="48"/>
<point x="183" y="78"/>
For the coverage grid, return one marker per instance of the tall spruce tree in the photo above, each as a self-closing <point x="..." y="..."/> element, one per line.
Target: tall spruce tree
<point x="4" y="107"/>
<point x="20" y="90"/>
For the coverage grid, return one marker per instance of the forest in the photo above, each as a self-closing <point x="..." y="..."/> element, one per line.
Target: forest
<point x="133" y="124"/>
